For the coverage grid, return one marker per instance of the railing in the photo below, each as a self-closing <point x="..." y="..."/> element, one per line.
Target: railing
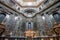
<point x="29" y="38"/>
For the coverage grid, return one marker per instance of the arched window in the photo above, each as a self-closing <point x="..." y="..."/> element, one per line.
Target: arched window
<point x="2" y="16"/>
<point x="56" y="17"/>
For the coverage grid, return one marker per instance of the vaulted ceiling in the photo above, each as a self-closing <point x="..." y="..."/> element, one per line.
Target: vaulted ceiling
<point x="29" y="8"/>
